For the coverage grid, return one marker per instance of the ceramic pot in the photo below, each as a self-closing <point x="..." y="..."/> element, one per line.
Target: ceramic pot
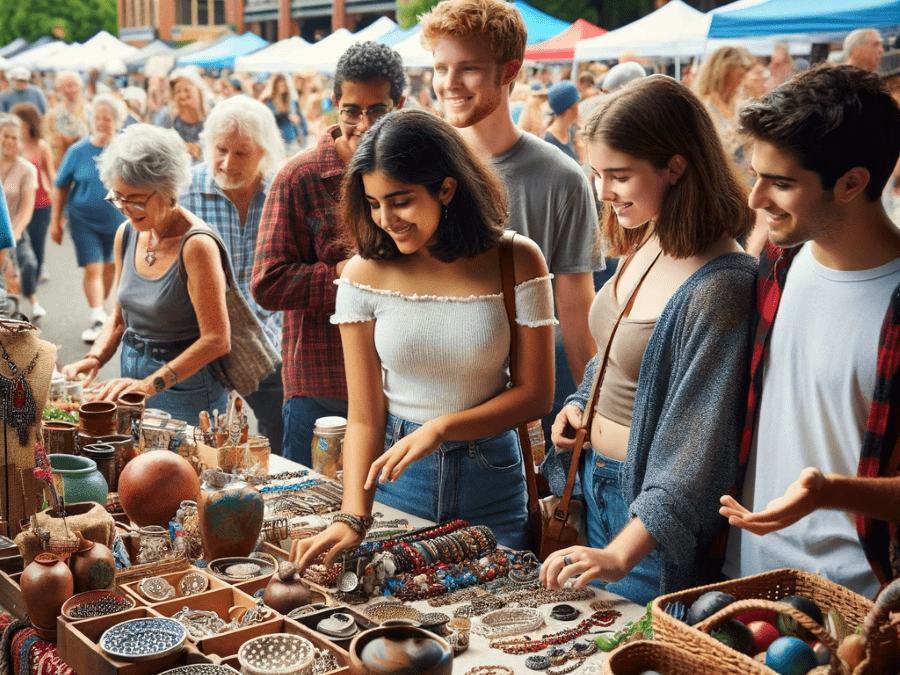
<point x="231" y="516"/>
<point x="93" y="566"/>
<point x="124" y="445"/>
<point x="60" y="437"/>
<point x="81" y="480"/>
<point x="129" y="408"/>
<point x="396" y="649"/>
<point x="286" y="590"/>
<point x="105" y="457"/>
<point x="153" y="485"/>
<point x="46" y="584"/>
<point x="98" y="418"/>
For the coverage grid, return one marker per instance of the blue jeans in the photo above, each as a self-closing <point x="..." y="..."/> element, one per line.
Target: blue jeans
<point x="266" y="405"/>
<point x="28" y="265"/>
<point x="607" y="514"/>
<point x="184" y="401"/>
<point x="37" y="232"/>
<point x="299" y="415"/>
<point x="481" y="481"/>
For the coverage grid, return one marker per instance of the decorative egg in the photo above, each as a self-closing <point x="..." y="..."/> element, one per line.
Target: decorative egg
<point x="790" y="656"/>
<point x="677" y="610"/>
<point x="153" y="485"/>
<point x="791" y="628"/>
<point x="734" y="634"/>
<point x="836" y="625"/>
<point x="708" y="604"/>
<point x="764" y="634"/>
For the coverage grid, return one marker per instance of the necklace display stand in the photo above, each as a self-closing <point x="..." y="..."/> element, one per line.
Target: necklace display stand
<point x="26" y="366"/>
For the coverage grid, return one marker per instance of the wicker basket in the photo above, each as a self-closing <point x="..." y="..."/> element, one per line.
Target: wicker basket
<point x="769" y="586"/>
<point x="636" y="657"/>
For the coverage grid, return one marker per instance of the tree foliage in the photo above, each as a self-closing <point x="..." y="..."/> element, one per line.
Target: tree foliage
<point x="72" y="20"/>
<point x="408" y="11"/>
<point x="568" y="10"/>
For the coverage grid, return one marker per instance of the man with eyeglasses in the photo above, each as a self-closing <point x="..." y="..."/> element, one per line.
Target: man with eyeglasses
<point x="299" y="251"/>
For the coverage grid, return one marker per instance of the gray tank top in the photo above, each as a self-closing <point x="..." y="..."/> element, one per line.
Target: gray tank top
<point x="155" y="309"/>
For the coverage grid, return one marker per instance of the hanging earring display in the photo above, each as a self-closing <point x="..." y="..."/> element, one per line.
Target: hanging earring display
<point x="17" y="406"/>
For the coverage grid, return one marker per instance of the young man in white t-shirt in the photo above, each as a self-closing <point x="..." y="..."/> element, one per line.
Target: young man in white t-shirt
<point x="822" y="405"/>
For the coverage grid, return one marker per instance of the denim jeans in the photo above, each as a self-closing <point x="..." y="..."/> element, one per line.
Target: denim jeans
<point x="266" y="404"/>
<point x="299" y="415"/>
<point x="184" y="401"/>
<point x="37" y="232"/>
<point x="28" y="265"/>
<point x="607" y="514"/>
<point x="481" y="481"/>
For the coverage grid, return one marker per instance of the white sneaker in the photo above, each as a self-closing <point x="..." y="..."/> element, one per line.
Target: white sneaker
<point x="89" y="335"/>
<point x="44" y="274"/>
<point x="37" y="311"/>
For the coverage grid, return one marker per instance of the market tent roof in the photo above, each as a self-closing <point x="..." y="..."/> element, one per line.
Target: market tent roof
<point x="4" y="64"/>
<point x="675" y="30"/>
<point x="761" y="45"/>
<point x="381" y="26"/>
<point x="324" y="54"/>
<point x="223" y="54"/>
<point x="828" y="18"/>
<point x="562" y="47"/>
<point x="282" y="56"/>
<point x="412" y="52"/>
<point x="540" y="26"/>
<point x="35" y="58"/>
<point x="155" y="48"/>
<point x="14" y="47"/>
<point x="398" y="35"/>
<point x="200" y="45"/>
<point x="97" y="52"/>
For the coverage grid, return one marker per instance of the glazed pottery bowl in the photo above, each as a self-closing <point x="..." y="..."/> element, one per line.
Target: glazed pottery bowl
<point x="277" y="654"/>
<point x="81" y="480"/>
<point x="400" y="649"/>
<point x="143" y="639"/>
<point x="93" y="597"/>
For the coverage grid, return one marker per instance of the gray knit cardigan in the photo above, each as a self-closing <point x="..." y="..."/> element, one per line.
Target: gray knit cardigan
<point x="688" y="416"/>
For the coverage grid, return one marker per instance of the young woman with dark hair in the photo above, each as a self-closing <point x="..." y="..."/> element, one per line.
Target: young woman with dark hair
<point x="432" y="410"/>
<point x="667" y="425"/>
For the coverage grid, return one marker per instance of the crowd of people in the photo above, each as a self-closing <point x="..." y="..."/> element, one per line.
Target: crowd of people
<point x="365" y="231"/>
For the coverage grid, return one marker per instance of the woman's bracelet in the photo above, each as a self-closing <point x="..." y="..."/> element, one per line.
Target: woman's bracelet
<point x="358" y="524"/>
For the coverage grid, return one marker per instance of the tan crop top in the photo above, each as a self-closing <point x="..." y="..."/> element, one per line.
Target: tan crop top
<point x="616" y="398"/>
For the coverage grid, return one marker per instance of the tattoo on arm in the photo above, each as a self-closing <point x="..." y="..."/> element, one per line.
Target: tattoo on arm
<point x="159" y="384"/>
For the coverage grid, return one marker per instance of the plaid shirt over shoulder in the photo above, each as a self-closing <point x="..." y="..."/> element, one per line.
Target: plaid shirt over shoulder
<point x="296" y="251"/>
<point x="880" y="452"/>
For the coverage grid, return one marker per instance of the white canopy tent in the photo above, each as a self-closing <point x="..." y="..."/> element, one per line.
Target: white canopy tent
<point x="381" y="26"/>
<point x="32" y="58"/>
<point x="324" y="54"/>
<point x="98" y="52"/>
<point x="283" y="56"/>
<point x="412" y="52"/>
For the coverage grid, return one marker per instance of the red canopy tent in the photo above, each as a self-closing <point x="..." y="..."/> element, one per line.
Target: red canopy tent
<point x="562" y="47"/>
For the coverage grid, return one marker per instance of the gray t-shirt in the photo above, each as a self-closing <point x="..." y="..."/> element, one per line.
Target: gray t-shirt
<point x="550" y="201"/>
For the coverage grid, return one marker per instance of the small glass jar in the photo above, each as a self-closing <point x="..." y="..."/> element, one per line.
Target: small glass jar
<point x="155" y="544"/>
<point x="328" y="445"/>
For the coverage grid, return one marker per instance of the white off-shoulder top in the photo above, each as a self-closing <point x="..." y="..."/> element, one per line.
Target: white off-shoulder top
<point x="442" y="354"/>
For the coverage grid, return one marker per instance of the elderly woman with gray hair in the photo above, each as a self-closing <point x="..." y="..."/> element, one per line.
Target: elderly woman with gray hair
<point x="92" y="221"/>
<point x="171" y="328"/>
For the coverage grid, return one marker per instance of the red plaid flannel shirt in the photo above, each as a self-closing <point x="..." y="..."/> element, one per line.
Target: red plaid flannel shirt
<point x="297" y="248"/>
<point x="880" y="452"/>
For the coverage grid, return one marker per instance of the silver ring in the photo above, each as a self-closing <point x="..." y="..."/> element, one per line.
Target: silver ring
<point x="567" y="560"/>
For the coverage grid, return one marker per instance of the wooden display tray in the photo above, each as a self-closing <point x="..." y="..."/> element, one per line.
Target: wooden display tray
<point x="79" y="648"/>
<point x="11" y="595"/>
<point x="131" y="589"/>
<point x="220" y="601"/>
<point x="294" y="628"/>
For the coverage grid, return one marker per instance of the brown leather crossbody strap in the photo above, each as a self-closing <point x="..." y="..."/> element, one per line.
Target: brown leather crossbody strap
<point x="581" y="436"/>
<point x="508" y="279"/>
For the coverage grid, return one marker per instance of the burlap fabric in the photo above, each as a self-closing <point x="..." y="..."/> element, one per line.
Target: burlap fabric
<point x="89" y="518"/>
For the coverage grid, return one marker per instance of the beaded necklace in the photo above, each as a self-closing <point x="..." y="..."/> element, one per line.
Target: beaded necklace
<point x="17" y="406"/>
<point x="603" y="618"/>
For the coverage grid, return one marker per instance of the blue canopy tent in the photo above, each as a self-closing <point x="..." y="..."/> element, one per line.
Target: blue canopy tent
<point x="14" y="47"/>
<point x="223" y="54"/>
<point x="788" y="17"/>
<point x="540" y="26"/>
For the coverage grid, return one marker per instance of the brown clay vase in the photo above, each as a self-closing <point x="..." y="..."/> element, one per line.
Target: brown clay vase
<point x="231" y="516"/>
<point x="286" y="590"/>
<point x="93" y="566"/>
<point x="153" y="485"/>
<point x="129" y="408"/>
<point x="124" y="445"/>
<point x="400" y="649"/>
<point x="60" y="437"/>
<point x="98" y="418"/>
<point x="46" y="584"/>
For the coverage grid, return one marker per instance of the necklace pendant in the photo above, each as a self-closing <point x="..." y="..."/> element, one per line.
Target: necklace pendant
<point x="19" y="395"/>
<point x="150" y="257"/>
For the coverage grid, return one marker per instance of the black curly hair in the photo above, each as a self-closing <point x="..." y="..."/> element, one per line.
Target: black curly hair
<point x="366" y="61"/>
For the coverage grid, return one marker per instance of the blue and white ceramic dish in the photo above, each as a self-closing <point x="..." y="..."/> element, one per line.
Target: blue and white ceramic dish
<point x="143" y="639"/>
